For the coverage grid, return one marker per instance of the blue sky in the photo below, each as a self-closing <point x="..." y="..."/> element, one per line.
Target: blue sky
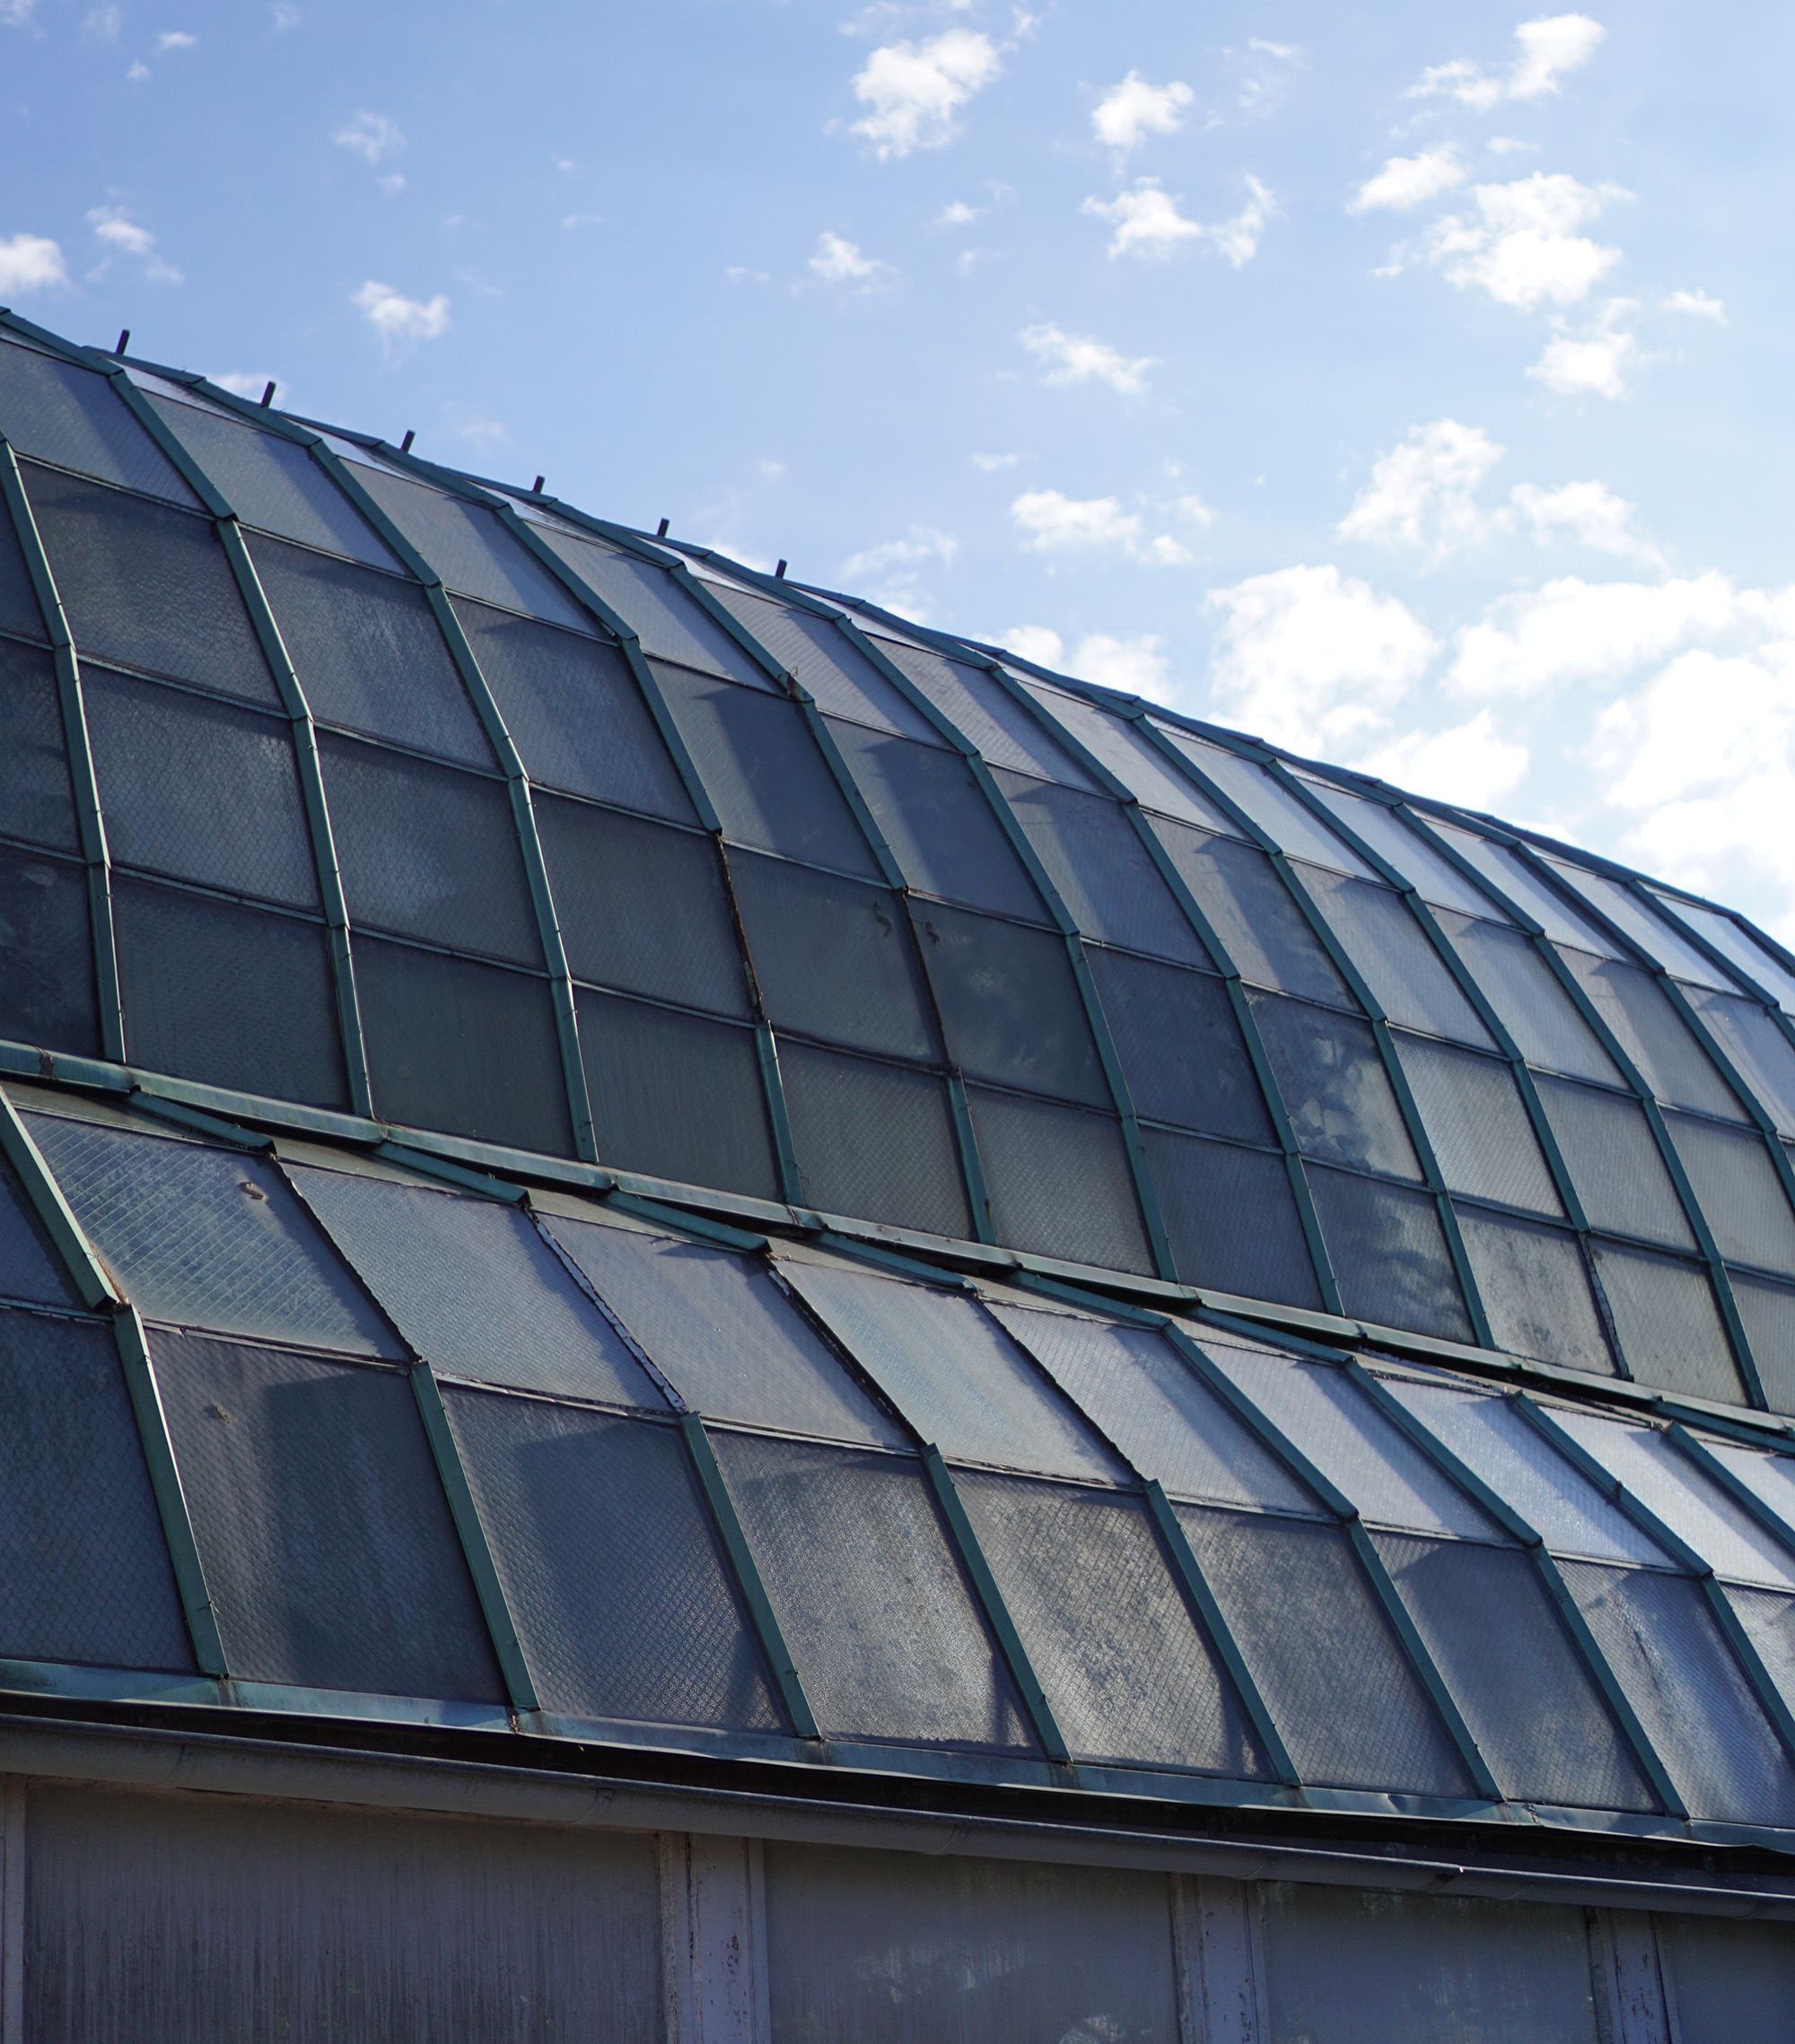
<point x="1407" y="384"/>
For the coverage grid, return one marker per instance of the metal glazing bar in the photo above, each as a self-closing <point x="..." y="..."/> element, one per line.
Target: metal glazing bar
<point x="517" y="781"/>
<point x="1544" y="1566"/>
<point x="753" y="1589"/>
<point x="1735" y="1488"/>
<point x="1015" y="1654"/>
<point x="189" y="1574"/>
<point x="90" y="822"/>
<point x="972" y="1168"/>
<point x="91" y="1277"/>
<point x="501" y="1628"/>
<point x="772" y="1088"/>
<point x="1758" y="1678"/>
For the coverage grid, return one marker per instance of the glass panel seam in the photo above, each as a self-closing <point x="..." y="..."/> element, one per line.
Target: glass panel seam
<point x="1664" y="907"/>
<point x="1733" y="1484"/>
<point x="90" y="820"/>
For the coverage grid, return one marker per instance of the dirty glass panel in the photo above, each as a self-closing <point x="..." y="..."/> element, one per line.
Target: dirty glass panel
<point x="19" y="613"/>
<point x="30" y="1266"/>
<point x="1768" y="1313"/>
<point x="1180" y="1047"/>
<point x="1661" y="939"/>
<point x="1268" y="941"/>
<point x="1734" y="1980"/>
<point x="657" y="1634"/>
<point x="1738" y="1192"/>
<point x="1434" y="879"/>
<point x="827" y="663"/>
<point x="1336" y="1090"/>
<point x="71" y="417"/>
<point x="475" y="1288"/>
<point x="47" y="992"/>
<point x="1031" y="1152"/>
<point x="1133" y="758"/>
<point x="1536" y="1290"/>
<point x="1406" y="976"/>
<point x="1287" y="821"/>
<point x="1230" y="1216"/>
<point x="1764" y="1056"/>
<point x="1530" y="1004"/>
<point x="1652" y="1032"/>
<point x="1669" y="1327"/>
<point x="1738" y="945"/>
<point x="874" y="1140"/>
<point x="868" y="1595"/>
<point x="676" y="1097"/>
<point x="211" y="1238"/>
<point x="985" y="713"/>
<point x="1615" y="1163"/>
<point x="641" y="907"/>
<point x="329" y="1554"/>
<point x="671" y="624"/>
<point x="1471" y="1111"/>
<point x="1529" y="893"/>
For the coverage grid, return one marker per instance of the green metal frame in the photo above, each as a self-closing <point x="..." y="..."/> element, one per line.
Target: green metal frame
<point x="90" y="1276"/>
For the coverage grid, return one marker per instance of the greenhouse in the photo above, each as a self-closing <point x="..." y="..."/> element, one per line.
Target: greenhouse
<point x="721" y="1319"/>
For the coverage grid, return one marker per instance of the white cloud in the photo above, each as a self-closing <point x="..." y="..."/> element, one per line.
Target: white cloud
<point x="1699" y="304"/>
<point x="1132" y="667"/>
<point x="31" y="262"/>
<point x="1128" y="113"/>
<point x="286" y="17"/>
<point x="482" y="432"/>
<point x="1593" y="362"/>
<point x="1405" y="181"/>
<point x="251" y="383"/>
<point x="103" y="23"/>
<point x="1589" y="512"/>
<point x="989" y="464"/>
<point x="396" y="319"/>
<point x="1195" y="510"/>
<point x="1423" y="492"/>
<point x="915" y="90"/>
<point x="1314" y="658"/>
<point x="1033" y="642"/>
<point x="15" y="14"/>
<point x="1148" y="223"/>
<point x="110" y="224"/>
<point x="1077" y="358"/>
<point x="1056" y="523"/>
<point x="1524" y="250"/>
<point x="739" y="275"/>
<point x="924" y="544"/>
<point x="375" y="137"/>
<point x="1165" y="551"/>
<point x="1552" y="47"/>
<point x="1471" y="763"/>
<point x="174" y="38"/>
<point x="1571" y="631"/>
<point x="138" y="70"/>
<point x="957" y="212"/>
<point x="837" y="261"/>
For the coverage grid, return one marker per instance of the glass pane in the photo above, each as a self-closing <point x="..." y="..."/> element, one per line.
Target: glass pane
<point x="1733" y="1980"/>
<point x="1336" y="1092"/>
<point x="676" y="1097"/>
<point x="37" y="800"/>
<point x="272" y="482"/>
<point x="1170" y="1426"/>
<point x="1483" y="1141"/>
<point x="369" y="653"/>
<point x="428" y="852"/>
<point x="1709" y="1731"/>
<point x="1180" y="1047"/>
<point x="210" y="1238"/>
<point x="1738" y="1192"/>
<point x="468" y="546"/>
<point x="642" y="907"/>
<point x="1231" y="1218"/>
<point x="1010" y="1004"/>
<point x="868" y="1595"/>
<point x="820" y="654"/>
<point x="1768" y="1313"/>
<point x="765" y="773"/>
<point x="1771" y="1476"/>
<point x="1032" y="1151"/>
<point x="1434" y="879"/>
<point x="1406" y="976"/>
<point x="47" y="994"/>
<point x="330" y="1555"/>
<point x="955" y="1375"/>
<point x="1615" y="1164"/>
<point x="1267" y="941"/>
<point x="199" y="791"/>
<point x="722" y="1332"/>
<point x="984" y="712"/>
<point x="72" y="417"/>
<point x="1662" y="942"/>
<point x="1352" y="1710"/>
<point x="30" y="1267"/>
<point x="1532" y="1006"/>
<point x="1536" y="1290"/>
<point x="148" y="586"/>
<point x="475" y="1288"/>
<point x="874" y="1141"/>
<point x="1668" y="1326"/>
<point x="1762" y="1054"/>
<point x="19" y="613"/>
<point x="1508" y="1662"/>
<point x="938" y="821"/>
<point x="1498" y="1443"/>
<point x="1286" y="820"/>
<point x="1135" y="761"/>
<point x="1322" y="1412"/>
<point x="669" y="624"/>
<point x="1737" y="944"/>
<point x="87" y="1576"/>
<point x="1127" y="1673"/>
<point x="574" y="711"/>
<point x="1110" y="886"/>
<point x="656" y="1635"/>
<point x="1653" y="1036"/>
<point x="223" y="995"/>
<point x="465" y="1048"/>
<point x="833" y="959"/>
<point x="1529" y="893"/>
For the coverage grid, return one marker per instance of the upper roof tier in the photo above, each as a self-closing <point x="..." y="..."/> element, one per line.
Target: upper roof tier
<point x="340" y="780"/>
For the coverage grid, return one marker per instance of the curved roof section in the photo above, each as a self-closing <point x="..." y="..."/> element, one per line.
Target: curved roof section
<point x="359" y="788"/>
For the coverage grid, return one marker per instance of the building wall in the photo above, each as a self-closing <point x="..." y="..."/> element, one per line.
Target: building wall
<point x="132" y="1916"/>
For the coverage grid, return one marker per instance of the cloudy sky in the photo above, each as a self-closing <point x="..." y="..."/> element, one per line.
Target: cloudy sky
<point x="1409" y="385"/>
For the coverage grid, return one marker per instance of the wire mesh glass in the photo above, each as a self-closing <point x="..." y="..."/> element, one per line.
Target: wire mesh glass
<point x="641" y="907"/>
<point x="1407" y="977"/>
<point x="1535" y="1010"/>
<point x="1767" y="1312"/>
<point x="1291" y="827"/>
<point x="1389" y="1253"/>
<point x="147" y="585"/>
<point x="1667" y="1324"/>
<point x="1032" y="1152"/>
<point x="87" y="1576"/>
<point x="1268" y="941"/>
<point x="724" y="1332"/>
<point x="463" y="1047"/>
<point x="369" y="652"/>
<point x="624" y="1600"/>
<point x="875" y="1140"/>
<point x="19" y="612"/>
<point x="1615" y="1163"/>
<point x="825" y="662"/>
<point x="869" y="1596"/>
<point x="1663" y="943"/>
<point x="1135" y="761"/>
<point x="669" y="624"/>
<point x="1535" y="1287"/>
<point x="71" y="417"/>
<point x="331" y="1558"/>
<point x="1128" y="1674"/>
<point x="1652" y="1032"/>
<point x="676" y="1095"/>
<point x="1231" y="1218"/>
<point x="47" y="992"/>
<point x="1736" y="946"/>
<point x="984" y="712"/>
<point x="1436" y="879"/>
<point x="1476" y="1121"/>
<point x="1771" y="1477"/>
<point x="30" y="1267"/>
<point x="1180" y="1045"/>
<point x="1738" y="1192"/>
<point x="1336" y="1092"/>
<point x="1762" y="1054"/>
<point x="1535" y="897"/>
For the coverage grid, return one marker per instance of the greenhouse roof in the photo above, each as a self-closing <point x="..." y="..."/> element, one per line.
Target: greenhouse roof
<point x="603" y="1146"/>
